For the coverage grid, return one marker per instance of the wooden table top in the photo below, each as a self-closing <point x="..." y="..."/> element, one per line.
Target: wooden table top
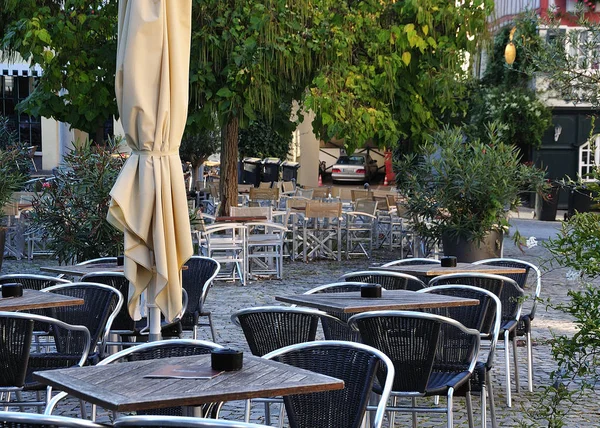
<point x="390" y="300"/>
<point x="122" y="386"/>
<point x="80" y="270"/>
<point x="436" y="270"/>
<point x="34" y="299"/>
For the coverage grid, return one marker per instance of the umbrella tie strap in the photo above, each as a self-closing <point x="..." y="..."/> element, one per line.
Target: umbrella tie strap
<point x="155" y="152"/>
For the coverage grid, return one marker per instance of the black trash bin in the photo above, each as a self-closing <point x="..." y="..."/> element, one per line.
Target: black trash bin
<point x="545" y="207"/>
<point x="270" y="169"/>
<point x="290" y="170"/>
<point x="251" y="171"/>
<point x="580" y="201"/>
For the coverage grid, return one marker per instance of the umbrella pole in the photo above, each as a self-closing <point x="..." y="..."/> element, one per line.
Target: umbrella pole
<point x="153" y="310"/>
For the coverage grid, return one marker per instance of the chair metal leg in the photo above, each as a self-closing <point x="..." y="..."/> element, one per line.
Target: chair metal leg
<point x="212" y="328"/>
<point x="507" y="366"/>
<point x="483" y="406"/>
<point x="469" y="406"/>
<point x="450" y="410"/>
<point x="281" y="414"/>
<point x="516" y="363"/>
<point x="490" y="388"/>
<point x="414" y="414"/>
<point x="267" y="414"/>
<point x="195" y="332"/>
<point x="247" y="411"/>
<point x="529" y="361"/>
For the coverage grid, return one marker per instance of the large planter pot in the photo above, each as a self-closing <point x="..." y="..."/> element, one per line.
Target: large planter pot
<point x="468" y="251"/>
<point x="545" y="208"/>
<point x="2" y="241"/>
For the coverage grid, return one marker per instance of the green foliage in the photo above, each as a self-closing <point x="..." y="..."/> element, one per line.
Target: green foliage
<point x="11" y="178"/>
<point x="498" y="72"/>
<point x="578" y="245"/>
<point x="197" y="146"/>
<point x="463" y="188"/>
<point x="9" y="140"/>
<point x="249" y="57"/>
<point x="73" y="206"/>
<point x="571" y="74"/>
<point x="577" y="357"/>
<point x="394" y="68"/>
<point x="524" y="116"/>
<point x="74" y="42"/>
<point x="261" y="140"/>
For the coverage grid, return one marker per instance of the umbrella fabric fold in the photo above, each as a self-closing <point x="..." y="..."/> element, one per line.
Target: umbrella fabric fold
<point x="149" y="201"/>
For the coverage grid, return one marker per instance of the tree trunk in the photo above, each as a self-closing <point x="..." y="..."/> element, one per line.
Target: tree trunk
<point x="99" y="135"/>
<point x="229" y="160"/>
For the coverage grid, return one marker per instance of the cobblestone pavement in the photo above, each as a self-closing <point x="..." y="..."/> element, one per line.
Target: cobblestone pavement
<point x="225" y="298"/>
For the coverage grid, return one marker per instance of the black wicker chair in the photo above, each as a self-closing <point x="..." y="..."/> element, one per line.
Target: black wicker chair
<point x="99" y="261"/>
<point x="197" y="280"/>
<point x="176" y="422"/>
<point x="412" y="340"/>
<point x="511" y="298"/>
<point x="34" y="420"/>
<point x="356" y="364"/>
<point x="267" y="328"/>
<point x="524" y="326"/>
<point x="101" y="305"/>
<point x="333" y="330"/>
<point x="16" y="334"/>
<point x="475" y="317"/>
<point x="412" y="261"/>
<point x="388" y="280"/>
<point x="152" y="351"/>
<point x="31" y="281"/>
<point x="131" y="332"/>
<point x="64" y="346"/>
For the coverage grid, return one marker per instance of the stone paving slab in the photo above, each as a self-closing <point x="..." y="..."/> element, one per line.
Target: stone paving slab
<point x="226" y="297"/>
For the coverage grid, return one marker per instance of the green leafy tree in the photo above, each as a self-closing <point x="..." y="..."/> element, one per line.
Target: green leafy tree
<point x="248" y="58"/>
<point x="394" y="68"/>
<point x="262" y="140"/>
<point x="74" y="42"/>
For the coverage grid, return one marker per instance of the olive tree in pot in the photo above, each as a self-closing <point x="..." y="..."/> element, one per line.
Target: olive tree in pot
<point x="11" y="180"/>
<point x="460" y="191"/>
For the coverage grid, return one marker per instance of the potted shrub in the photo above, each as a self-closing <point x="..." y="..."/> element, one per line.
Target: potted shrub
<point x="11" y="180"/>
<point x="459" y="191"/>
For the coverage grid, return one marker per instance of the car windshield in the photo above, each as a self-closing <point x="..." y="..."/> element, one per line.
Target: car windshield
<point x="351" y="160"/>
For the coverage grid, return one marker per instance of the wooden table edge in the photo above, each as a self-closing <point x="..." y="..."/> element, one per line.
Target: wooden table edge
<point x="336" y="384"/>
<point x="380" y="307"/>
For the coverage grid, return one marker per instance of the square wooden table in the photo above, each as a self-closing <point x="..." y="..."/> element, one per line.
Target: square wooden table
<point x="81" y="270"/>
<point x="432" y="270"/>
<point x="122" y="387"/>
<point x="352" y="302"/>
<point x="34" y="299"/>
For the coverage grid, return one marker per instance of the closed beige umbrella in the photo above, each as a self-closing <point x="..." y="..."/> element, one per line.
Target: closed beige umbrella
<point x="149" y="200"/>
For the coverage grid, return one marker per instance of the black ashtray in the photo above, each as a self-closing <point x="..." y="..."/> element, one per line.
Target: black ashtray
<point x="12" y="289"/>
<point x="120" y="260"/>
<point x="226" y="359"/>
<point x="370" y="290"/>
<point x="449" y="261"/>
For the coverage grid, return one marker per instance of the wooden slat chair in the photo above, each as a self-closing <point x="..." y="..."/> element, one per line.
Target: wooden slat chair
<point x="361" y="194"/>
<point x="358" y="228"/>
<point x="260" y="196"/>
<point x="322" y="230"/>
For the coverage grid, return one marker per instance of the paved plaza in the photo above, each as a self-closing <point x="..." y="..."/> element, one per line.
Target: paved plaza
<point x="225" y="298"/>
